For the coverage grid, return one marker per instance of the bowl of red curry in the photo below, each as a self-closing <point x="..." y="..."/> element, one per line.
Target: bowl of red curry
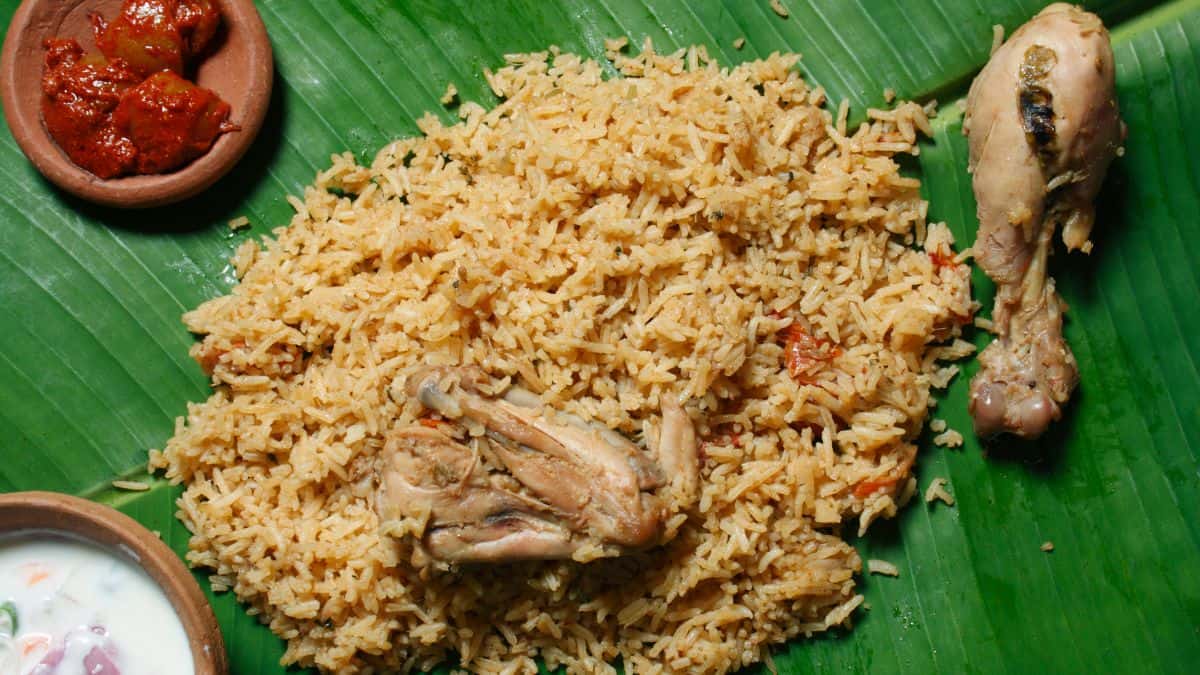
<point x="135" y="103"/>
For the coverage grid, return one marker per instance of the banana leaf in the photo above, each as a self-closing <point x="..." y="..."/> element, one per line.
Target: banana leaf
<point x="94" y="367"/>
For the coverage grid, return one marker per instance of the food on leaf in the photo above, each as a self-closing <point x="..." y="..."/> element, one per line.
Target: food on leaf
<point x="1043" y="126"/>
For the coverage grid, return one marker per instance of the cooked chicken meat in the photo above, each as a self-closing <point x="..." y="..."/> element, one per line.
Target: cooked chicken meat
<point x="470" y="516"/>
<point x="1043" y="127"/>
<point x="502" y="478"/>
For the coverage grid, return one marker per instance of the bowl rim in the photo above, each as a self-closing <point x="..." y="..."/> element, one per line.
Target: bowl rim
<point x="137" y="191"/>
<point x="117" y="533"/>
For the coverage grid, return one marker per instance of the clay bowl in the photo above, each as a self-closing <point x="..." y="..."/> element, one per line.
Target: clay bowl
<point x="117" y="532"/>
<point x="239" y="69"/>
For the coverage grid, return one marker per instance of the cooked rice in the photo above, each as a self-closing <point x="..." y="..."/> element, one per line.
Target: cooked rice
<point x="950" y="438"/>
<point x="770" y="663"/>
<point x="778" y="8"/>
<point x="1047" y="547"/>
<point x="907" y="492"/>
<point x="130" y="485"/>
<point x="616" y="44"/>
<point x="876" y="566"/>
<point x="739" y="43"/>
<point x="937" y="491"/>
<point x="605" y="243"/>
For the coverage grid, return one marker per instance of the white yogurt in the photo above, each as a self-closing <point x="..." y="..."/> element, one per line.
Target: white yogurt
<point x="83" y="610"/>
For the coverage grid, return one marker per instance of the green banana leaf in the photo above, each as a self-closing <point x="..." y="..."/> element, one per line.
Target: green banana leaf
<point x="94" y="366"/>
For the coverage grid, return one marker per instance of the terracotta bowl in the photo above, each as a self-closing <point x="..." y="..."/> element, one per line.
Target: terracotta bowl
<point x="123" y="535"/>
<point x="240" y="70"/>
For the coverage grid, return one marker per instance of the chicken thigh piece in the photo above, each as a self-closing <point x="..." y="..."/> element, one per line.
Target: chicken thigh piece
<point x="1043" y="127"/>
<point x="471" y="517"/>
<point x="504" y="478"/>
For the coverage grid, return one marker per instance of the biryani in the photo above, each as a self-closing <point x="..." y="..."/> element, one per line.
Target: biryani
<point x="682" y="231"/>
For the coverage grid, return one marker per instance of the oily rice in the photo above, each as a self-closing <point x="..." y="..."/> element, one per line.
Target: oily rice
<point x="709" y="234"/>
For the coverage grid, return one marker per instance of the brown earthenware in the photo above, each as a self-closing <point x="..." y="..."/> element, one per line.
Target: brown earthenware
<point x="111" y="529"/>
<point x="240" y="70"/>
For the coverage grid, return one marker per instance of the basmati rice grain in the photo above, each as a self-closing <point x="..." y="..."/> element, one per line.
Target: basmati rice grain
<point x="875" y="566"/>
<point x="937" y="491"/>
